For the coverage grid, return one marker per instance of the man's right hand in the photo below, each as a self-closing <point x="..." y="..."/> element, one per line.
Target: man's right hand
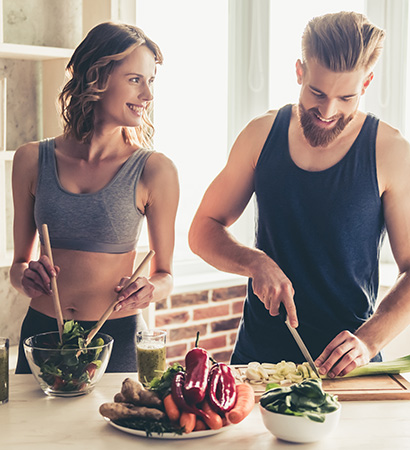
<point x="36" y="279"/>
<point x="273" y="287"/>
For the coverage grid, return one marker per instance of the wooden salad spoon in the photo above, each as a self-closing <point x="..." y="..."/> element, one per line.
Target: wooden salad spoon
<point x="56" y="297"/>
<point x="110" y="309"/>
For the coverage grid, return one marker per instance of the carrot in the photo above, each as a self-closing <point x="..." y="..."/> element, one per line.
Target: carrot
<point x="215" y="420"/>
<point x="187" y="420"/>
<point x="171" y="408"/>
<point x="200" y="425"/>
<point x="245" y="401"/>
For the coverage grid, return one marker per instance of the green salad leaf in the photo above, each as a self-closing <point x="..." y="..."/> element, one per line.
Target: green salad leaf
<point x="65" y="370"/>
<point x="162" y="385"/>
<point x="306" y="399"/>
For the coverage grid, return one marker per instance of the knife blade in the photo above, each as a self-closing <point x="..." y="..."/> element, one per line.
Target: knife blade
<point x="299" y="341"/>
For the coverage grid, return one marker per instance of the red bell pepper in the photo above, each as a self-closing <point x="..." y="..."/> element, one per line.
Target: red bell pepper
<point x="222" y="388"/>
<point x="197" y="371"/>
<point x="177" y="393"/>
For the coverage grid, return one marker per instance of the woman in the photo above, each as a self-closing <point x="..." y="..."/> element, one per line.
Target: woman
<point x="93" y="186"/>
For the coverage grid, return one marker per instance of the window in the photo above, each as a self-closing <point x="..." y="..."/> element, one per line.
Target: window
<point x="190" y="101"/>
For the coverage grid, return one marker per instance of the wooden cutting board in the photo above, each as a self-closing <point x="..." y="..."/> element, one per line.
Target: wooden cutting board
<point x="374" y="387"/>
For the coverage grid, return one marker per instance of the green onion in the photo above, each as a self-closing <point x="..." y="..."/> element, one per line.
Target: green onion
<point x="398" y="365"/>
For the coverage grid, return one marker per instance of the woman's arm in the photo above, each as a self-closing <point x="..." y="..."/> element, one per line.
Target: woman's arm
<point x="159" y="189"/>
<point x="29" y="277"/>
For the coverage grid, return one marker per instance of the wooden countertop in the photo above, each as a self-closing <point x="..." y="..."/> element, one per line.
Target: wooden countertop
<point x="31" y="420"/>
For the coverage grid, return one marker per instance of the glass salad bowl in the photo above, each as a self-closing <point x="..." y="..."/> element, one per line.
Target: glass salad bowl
<point x="67" y="369"/>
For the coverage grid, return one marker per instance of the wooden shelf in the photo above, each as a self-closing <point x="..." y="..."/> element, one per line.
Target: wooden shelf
<point x="50" y="76"/>
<point x="33" y="52"/>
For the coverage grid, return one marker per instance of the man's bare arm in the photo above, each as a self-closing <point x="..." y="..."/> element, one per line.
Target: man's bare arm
<point x="222" y="204"/>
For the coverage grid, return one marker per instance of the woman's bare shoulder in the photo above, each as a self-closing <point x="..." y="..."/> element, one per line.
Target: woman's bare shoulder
<point x="26" y="156"/>
<point x="159" y="165"/>
<point x="25" y="168"/>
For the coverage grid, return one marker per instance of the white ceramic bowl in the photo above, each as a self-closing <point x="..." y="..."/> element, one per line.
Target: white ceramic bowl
<point x="299" y="429"/>
<point x="65" y="372"/>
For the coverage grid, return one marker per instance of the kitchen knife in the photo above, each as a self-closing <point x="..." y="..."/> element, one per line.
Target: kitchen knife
<point x="298" y="340"/>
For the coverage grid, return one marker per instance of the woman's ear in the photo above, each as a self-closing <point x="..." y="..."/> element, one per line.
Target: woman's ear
<point x="367" y="81"/>
<point x="299" y="71"/>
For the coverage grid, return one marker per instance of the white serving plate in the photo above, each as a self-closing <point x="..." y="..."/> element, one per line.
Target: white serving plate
<point x="193" y="435"/>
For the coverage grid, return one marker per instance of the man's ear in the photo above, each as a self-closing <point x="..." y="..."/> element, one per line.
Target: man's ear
<point x="299" y="71"/>
<point x="367" y="81"/>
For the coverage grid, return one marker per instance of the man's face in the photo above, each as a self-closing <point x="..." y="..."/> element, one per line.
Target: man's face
<point x="328" y="101"/>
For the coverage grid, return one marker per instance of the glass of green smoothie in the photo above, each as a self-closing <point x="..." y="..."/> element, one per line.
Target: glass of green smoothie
<point x="4" y="370"/>
<point x="151" y="354"/>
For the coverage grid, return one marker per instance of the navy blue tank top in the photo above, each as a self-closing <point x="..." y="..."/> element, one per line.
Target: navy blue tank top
<point x="324" y="229"/>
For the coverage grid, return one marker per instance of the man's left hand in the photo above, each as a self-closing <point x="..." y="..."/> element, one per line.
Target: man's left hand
<point x="344" y="353"/>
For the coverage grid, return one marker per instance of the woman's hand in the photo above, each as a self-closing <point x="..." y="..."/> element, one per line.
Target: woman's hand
<point x="138" y="295"/>
<point x="36" y="278"/>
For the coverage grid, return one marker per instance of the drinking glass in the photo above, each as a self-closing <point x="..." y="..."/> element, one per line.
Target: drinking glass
<point x="151" y="354"/>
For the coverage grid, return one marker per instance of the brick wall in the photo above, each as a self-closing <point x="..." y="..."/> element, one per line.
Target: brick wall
<point x="215" y="313"/>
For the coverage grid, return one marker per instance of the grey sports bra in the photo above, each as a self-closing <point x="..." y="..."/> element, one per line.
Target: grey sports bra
<point x="106" y="221"/>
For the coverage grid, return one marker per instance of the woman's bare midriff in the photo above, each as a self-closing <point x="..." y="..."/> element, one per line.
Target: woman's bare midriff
<point x="86" y="284"/>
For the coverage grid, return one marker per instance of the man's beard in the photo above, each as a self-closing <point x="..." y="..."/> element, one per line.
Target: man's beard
<point x="316" y="136"/>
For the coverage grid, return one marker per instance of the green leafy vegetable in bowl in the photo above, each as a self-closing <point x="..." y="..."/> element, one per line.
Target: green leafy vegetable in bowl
<point x="66" y="370"/>
<point x="68" y="367"/>
<point x="305" y="399"/>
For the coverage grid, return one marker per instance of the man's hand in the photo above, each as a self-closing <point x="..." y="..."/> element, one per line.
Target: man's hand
<point x="273" y="287"/>
<point x="344" y="353"/>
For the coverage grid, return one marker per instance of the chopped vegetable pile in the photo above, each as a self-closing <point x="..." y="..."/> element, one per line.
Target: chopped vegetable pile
<point x="306" y="399"/>
<point x="283" y="371"/>
<point x="66" y="370"/>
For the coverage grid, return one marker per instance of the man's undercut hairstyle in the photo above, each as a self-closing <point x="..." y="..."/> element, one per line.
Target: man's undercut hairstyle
<point x="342" y="42"/>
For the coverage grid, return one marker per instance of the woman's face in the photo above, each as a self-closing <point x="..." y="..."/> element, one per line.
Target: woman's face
<point x="129" y="90"/>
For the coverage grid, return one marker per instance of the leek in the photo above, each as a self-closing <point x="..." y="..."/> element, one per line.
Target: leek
<point x="399" y="365"/>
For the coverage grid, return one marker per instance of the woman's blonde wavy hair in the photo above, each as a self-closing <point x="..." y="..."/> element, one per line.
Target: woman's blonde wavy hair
<point x="343" y="41"/>
<point x="104" y="47"/>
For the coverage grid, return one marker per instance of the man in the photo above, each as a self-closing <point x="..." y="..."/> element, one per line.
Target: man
<point x="329" y="180"/>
